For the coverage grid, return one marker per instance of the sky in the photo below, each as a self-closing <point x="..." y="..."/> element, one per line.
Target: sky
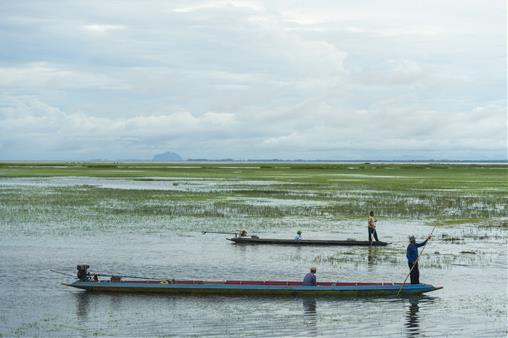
<point x="312" y="80"/>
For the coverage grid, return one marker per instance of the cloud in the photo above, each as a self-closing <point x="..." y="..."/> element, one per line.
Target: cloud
<point x="220" y="5"/>
<point x="43" y="75"/>
<point x="45" y="129"/>
<point x="253" y="79"/>
<point x="392" y="72"/>
<point x="102" y="28"/>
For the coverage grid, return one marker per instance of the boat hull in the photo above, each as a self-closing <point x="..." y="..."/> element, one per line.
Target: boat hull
<point x="254" y="288"/>
<point x="243" y="240"/>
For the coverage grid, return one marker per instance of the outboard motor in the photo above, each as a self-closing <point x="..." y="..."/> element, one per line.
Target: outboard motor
<point x="83" y="272"/>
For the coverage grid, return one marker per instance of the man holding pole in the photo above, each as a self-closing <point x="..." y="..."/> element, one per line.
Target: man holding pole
<point x="412" y="258"/>
<point x="372" y="227"/>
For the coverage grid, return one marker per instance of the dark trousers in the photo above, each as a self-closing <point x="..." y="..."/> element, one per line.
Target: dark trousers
<point x="372" y="232"/>
<point x="415" y="273"/>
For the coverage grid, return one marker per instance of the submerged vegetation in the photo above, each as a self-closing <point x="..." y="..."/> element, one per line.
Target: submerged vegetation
<point x="256" y="194"/>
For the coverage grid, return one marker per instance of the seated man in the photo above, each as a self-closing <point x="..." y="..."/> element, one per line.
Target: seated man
<point x="298" y="235"/>
<point x="310" y="278"/>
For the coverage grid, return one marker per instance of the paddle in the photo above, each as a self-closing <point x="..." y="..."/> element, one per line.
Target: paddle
<point x="417" y="259"/>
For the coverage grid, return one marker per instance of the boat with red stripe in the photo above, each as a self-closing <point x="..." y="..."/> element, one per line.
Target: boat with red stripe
<point x="95" y="283"/>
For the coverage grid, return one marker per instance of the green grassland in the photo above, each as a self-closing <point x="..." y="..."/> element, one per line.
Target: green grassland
<point x="221" y="195"/>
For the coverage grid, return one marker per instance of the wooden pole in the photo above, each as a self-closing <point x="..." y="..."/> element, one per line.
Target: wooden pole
<point x="126" y="276"/>
<point x="107" y="275"/>
<point x="62" y="273"/>
<point x="220" y="232"/>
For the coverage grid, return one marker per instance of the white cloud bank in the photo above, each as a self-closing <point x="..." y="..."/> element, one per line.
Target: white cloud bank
<point x="42" y="130"/>
<point x="252" y="79"/>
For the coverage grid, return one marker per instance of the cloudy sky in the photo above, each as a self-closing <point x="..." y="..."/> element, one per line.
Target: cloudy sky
<point x="214" y="79"/>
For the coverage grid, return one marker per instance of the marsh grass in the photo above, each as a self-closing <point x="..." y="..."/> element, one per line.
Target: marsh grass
<point x="460" y="194"/>
<point x="396" y="257"/>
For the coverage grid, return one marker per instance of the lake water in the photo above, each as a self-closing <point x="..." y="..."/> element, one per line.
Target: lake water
<point x="469" y="261"/>
<point x="34" y="303"/>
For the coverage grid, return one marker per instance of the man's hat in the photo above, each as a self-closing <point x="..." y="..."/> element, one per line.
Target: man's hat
<point x="412" y="238"/>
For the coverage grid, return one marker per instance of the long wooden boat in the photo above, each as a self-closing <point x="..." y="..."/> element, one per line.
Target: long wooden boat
<point x="250" y="240"/>
<point x="251" y="288"/>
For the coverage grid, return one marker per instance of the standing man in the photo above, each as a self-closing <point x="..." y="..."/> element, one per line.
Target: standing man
<point x="372" y="227"/>
<point x="298" y="235"/>
<point x="412" y="258"/>
<point x="310" y="278"/>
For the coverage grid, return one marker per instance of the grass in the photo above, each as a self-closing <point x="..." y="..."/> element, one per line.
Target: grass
<point x="221" y="194"/>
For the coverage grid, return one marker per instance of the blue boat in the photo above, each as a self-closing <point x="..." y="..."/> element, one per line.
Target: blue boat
<point x="252" y="288"/>
<point x="305" y="242"/>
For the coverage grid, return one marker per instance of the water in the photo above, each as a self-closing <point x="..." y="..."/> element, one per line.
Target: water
<point x="33" y="302"/>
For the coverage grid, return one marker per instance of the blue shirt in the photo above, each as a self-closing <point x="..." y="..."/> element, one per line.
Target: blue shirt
<point x="309" y="279"/>
<point x="298" y="237"/>
<point x="412" y="251"/>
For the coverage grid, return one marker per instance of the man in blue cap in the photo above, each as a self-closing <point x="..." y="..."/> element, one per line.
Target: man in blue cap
<point x="412" y="258"/>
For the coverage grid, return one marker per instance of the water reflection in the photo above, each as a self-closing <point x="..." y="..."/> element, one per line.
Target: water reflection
<point x="412" y="323"/>
<point x="371" y="257"/>
<point x="309" y="315"/>
<point x="241" y="250"/>
<point x="412" y="315"/>
<point x="82" y="304"/>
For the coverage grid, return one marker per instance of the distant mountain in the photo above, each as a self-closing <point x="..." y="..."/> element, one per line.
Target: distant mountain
<point x="168" y="156"/>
